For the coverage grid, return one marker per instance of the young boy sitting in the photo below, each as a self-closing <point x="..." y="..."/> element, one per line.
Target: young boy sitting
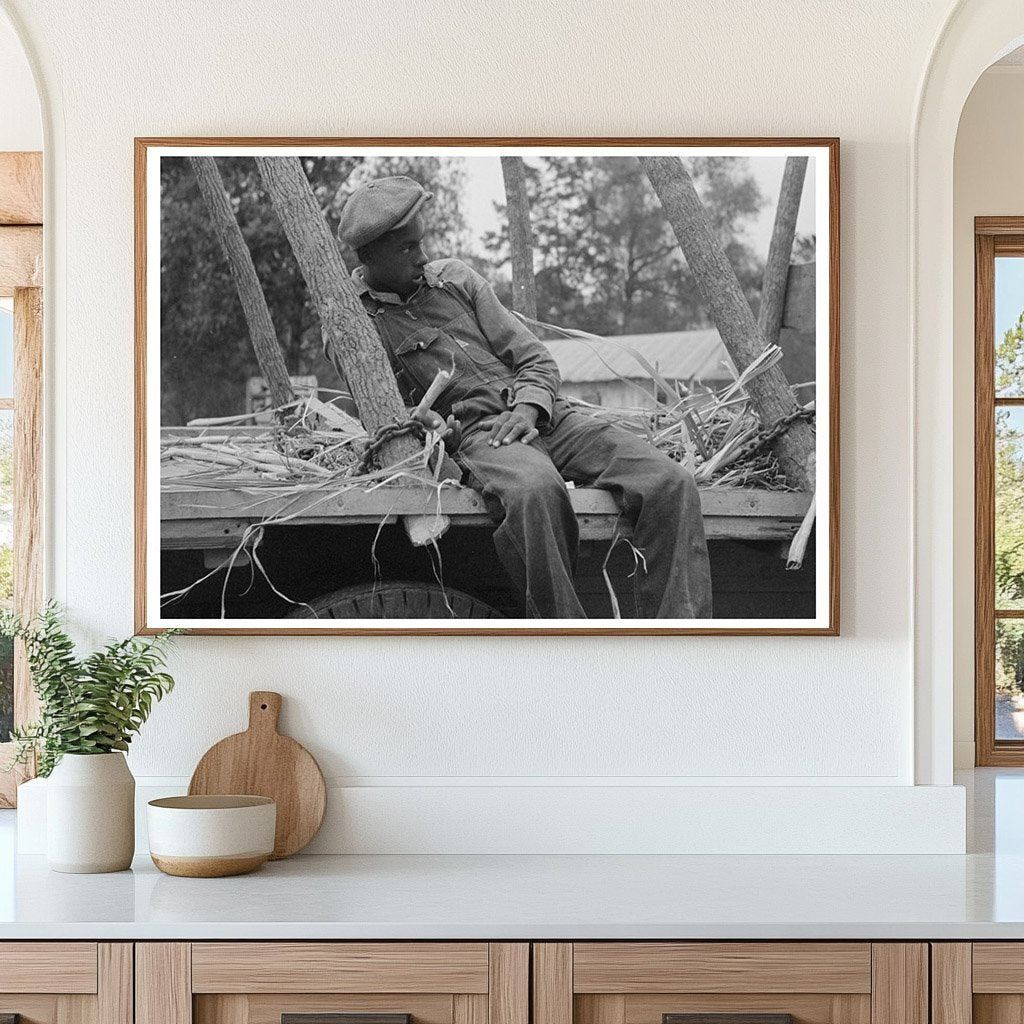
<point x="520" y="441"/>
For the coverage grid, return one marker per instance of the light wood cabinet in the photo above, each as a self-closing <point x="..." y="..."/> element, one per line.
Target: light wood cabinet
<point x="66" y="982"/>
<point x="978" y="983"/>
<point x="512" y="983"/>
<point x="307" y="982"/>
<point x="737" y="982"/>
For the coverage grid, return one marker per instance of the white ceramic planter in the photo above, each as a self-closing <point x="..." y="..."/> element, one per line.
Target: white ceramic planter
<point x="90" y="814"/>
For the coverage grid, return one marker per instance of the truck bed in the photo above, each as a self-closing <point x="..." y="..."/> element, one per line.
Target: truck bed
<point x="208" y="518"/>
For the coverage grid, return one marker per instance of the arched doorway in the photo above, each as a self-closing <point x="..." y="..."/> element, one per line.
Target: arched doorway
<point x="977" y="33"/>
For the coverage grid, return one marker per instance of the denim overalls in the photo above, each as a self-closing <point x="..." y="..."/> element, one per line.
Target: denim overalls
<point x="455" y="322"/>
<point x="437" y="329"/>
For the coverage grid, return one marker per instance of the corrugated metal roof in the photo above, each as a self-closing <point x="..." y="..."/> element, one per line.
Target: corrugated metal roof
<point x="677" y="355"/>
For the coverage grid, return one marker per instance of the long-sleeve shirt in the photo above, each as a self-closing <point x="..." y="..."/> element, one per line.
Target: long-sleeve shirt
<point x="455" y="322"/>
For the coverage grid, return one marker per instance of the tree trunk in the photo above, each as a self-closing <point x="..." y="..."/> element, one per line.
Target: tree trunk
<point x="250" y="293"/>
<point x="520" y="234"/>
<point x="770" y="392"/>
<point x="350" y="339"/>
<point x="780" y="252"/>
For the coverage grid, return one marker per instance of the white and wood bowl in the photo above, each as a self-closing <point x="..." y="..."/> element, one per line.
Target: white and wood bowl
<point x="211" y="836"/>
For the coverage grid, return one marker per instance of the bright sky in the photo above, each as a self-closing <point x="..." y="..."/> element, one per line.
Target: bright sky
<point x="485" y="187"/>
<point x="6" y="353"/>
<point x="1009" y="292"/>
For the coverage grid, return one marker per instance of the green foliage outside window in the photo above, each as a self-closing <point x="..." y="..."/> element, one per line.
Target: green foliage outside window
<point x="1009" y="473"/>
<point x="1009" y="510"/>
<point x="1010" y="362"/>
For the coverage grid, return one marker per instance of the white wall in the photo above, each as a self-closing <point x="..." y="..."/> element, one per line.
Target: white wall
<point x="987" y="182"/>
<point x="21" y="127"/>
<point x="410" y="713"/>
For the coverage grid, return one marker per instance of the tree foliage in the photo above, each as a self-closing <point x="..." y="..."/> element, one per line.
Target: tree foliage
<point x="1009" y="655"/>
<point x="1009" y="472"/>
<point x="1010" y="361"/>
<point x="1009" y="510"/>
<point x="606" y="260"/>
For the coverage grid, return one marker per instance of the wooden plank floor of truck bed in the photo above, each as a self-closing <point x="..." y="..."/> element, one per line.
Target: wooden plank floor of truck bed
<point x="207" y="518"/>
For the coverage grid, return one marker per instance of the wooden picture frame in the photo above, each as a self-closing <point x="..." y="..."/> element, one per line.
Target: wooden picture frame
<point x="750" y="518"/>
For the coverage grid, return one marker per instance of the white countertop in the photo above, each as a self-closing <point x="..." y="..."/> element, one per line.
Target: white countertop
<point x="977" y="896"/>
<point x="517" y="897"/>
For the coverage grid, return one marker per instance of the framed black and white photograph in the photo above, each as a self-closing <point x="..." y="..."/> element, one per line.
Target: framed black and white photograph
<point x="491" y="386"/>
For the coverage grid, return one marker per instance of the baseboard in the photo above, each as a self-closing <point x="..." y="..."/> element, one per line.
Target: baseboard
<point x="526" y="819"/>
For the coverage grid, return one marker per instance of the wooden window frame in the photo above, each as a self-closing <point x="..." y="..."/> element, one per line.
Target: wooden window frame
<point x="993" y="237"/>
<point x="21" y="278"/>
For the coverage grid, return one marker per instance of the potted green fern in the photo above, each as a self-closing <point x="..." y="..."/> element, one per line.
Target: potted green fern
<point x="89" y="710"/>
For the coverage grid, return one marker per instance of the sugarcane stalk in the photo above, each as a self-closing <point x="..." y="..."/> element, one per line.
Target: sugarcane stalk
<point x="798" y="546"/>
<point x="191" y="454"/>
<point x="437" y="385"/>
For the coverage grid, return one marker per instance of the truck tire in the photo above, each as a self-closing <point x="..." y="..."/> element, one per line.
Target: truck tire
<point x="396" y="600"/>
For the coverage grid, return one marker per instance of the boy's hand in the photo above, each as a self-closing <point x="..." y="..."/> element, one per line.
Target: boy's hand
<point x="450" y="429"/>
<point x="518" y="424"/>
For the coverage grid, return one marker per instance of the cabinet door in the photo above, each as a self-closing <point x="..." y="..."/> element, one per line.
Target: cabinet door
<point x="730" y="983"/>
<point x="980" y="982"/>
<point x="66" y="982"/>
<point x="332" y="983"/>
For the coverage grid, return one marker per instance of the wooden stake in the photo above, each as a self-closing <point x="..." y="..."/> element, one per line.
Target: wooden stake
<point x="770" y="392"/>
<point x="250" y="292"/>
<point x="798" y="546"/>
<point x="780" y="251"/>
<point x="520" y="235"/>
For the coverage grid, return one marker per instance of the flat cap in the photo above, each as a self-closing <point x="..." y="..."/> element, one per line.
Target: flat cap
<point x="378" y="207"/>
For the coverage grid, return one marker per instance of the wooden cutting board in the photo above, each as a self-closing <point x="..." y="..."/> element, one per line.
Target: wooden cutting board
<point x="262" y="762"/>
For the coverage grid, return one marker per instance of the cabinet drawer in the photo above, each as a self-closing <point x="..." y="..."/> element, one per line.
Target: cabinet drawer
<point x="332" y="983"/>
<point x="634" y="967"/>
<point x="340" y="967"/>
<point x="998" y="967"/>
<point x="730" y="983"/>
<point x="981" y="982"/>
<point x="65" y="967"/>
<point x="66" y="982"/>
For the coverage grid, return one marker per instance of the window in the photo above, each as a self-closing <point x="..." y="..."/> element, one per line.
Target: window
<point x="6" y="513"/>
<point x="21" y="364"/>
<point x="999" y="490"/>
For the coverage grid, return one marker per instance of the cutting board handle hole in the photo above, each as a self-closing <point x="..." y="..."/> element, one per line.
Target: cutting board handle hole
<point x="263" y="707"/>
